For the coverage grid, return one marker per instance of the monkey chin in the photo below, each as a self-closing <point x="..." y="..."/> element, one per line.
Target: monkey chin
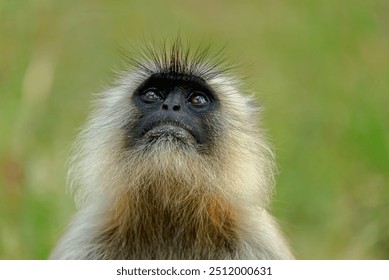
<point x="170" y="136"/>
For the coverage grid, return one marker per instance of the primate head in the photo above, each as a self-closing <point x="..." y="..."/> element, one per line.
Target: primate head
<point x="177" y="121"/>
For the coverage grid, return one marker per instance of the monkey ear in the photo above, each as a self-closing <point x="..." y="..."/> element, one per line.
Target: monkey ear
<point x="252" y="105"/>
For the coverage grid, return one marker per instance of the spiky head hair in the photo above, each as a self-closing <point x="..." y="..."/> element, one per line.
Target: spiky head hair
<point x="178" y="58"/>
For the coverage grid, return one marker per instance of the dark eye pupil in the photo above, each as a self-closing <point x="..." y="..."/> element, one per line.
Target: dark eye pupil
<point x="198" y="99"/>
<point x="151" y="96"/>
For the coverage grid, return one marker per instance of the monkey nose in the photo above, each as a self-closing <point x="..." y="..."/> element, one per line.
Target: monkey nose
<point x="174" y="107"/>
<point x="173" y="101"/>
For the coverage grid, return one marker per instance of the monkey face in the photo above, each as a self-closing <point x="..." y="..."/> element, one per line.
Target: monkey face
<point x="173" y="109"/>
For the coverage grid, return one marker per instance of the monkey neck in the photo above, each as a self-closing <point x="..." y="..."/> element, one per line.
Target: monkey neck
<point x="149" y="225"/>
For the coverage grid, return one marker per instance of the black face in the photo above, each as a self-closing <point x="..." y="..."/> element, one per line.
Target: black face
<point x="174" y="108"/>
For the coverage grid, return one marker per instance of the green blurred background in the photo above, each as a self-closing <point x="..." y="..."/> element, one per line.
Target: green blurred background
<point x="320" y="68"/>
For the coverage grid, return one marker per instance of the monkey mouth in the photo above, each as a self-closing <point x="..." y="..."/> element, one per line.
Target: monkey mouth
<point x="169" y="132"/>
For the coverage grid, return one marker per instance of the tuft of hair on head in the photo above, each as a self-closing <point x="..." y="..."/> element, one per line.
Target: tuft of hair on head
<point x="176" y="56"/>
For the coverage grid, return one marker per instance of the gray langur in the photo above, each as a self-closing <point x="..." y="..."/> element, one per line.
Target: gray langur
<point x="173" y="165"/>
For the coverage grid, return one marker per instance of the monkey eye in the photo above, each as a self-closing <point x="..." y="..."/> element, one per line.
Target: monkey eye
<point x="198" y="99"/>
<point x="151" y="95"/>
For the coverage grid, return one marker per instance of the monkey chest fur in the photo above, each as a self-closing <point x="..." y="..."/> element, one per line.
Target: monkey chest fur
<point x="145" y="228"/>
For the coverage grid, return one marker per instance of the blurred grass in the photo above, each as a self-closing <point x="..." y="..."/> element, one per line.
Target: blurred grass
<point x="321" y="68"/>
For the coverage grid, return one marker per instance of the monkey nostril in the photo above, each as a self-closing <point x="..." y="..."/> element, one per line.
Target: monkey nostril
<point x="176" y="107"/>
